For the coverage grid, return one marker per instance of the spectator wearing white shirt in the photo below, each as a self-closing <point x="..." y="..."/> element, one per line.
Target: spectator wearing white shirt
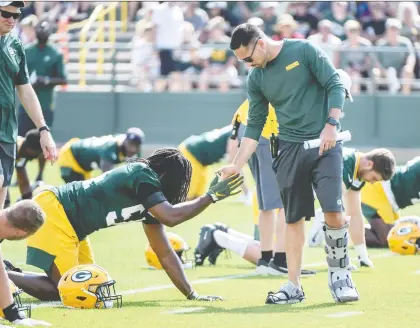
<point x="326" y="40"/>
<point x="168" y="21"/>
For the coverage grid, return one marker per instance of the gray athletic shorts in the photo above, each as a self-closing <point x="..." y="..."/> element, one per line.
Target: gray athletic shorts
<point x="7" y="161"/>
<point x="299" y="172"/>
<point x="261" y="165"/>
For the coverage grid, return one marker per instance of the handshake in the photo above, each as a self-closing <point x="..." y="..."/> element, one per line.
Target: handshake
<point x="221" y="188"/>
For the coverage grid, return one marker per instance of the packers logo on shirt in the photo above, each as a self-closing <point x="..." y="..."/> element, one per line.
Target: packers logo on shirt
<point x="292" y="65"/>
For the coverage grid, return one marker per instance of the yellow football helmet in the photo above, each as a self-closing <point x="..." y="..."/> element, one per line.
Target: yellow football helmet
<point x="88" y="287"/>
<point x="16" y="297"/>
<point x="404" y="237"/>
<point x="179" y="245"/>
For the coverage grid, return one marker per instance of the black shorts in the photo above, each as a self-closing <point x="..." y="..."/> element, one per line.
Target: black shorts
<point x="7" y="162"/>
<point x="25" y="123"/>
<point x="68" y="175"/>
<point x="300" y="172"/>
<point x="167" y="62"/>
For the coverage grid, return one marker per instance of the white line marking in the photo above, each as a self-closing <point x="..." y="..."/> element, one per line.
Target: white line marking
<point x="343" y="314"/>
<point x="417" y="272"/>
<point x="201" y="281"/>
<point x="183" y="310"/>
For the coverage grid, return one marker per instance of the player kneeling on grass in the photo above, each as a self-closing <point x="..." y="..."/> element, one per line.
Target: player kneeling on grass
<point x="151" y="190"/>
<point x="404" y="237"/>
<point x="358" y="168"/>
<point x="16" y="223"/>
<point x="382" y="201"/>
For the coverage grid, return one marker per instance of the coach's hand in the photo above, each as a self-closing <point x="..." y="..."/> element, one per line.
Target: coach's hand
<point x="203" y="298"/>
<point x="328" y="138"/>
<point x="221" y="188"/>
<point x="48" y="146"/>
<point x="227" y="171"/>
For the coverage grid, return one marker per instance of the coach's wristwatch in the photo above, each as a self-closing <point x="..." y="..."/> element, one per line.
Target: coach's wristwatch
<point x="44" y="128"/>
<point x="332" y="121"/>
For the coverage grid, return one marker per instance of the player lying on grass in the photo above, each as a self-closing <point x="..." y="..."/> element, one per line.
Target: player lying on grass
<point x="79" y="157"/>
<point x="205" y="150"/>
<point x="151" y="190"/>
<point x="358" y="168"/>
<point x="16" y="223"/>
<point x="28" y="148"/>
<point x="382" y="201"/>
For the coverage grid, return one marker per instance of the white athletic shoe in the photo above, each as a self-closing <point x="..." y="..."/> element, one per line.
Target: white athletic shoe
<point x="316" y="233"/>
<point x="342" y="287"/>
<point x="289" y="293"/>
<point x="352" y="267"/>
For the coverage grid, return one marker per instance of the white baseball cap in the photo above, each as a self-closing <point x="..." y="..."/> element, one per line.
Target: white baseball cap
<point x="19" y="4"/>
<point x="346" y="80"/>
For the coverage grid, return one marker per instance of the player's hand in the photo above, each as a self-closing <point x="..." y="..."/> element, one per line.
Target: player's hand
<point x="328" y="138"/>
<point x="228" y="171"/>
<point x="204" y="298"/>
<point x="48" y="146"/>
<point x="29" y="322"/>
<point x="220" y="189"/>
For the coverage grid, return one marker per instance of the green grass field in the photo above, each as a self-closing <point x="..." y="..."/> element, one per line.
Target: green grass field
<point x="389" y="293"/>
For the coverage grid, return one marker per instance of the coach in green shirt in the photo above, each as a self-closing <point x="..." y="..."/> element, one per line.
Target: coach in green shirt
<point x="302" y="85"/>
<point x="46" y="70"/>
<point x="14" y="76"/>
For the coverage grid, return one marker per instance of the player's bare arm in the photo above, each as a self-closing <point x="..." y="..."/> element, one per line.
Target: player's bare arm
<point x="172" y="215"/>
<point x="246" y="149"/>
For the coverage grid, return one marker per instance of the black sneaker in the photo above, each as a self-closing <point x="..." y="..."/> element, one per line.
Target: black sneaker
<point x="216" y="252"/>
<point x="221" y="226"/>
<point x="206" y="244"/>
<point x="288" y="294"/>
<point x="10" y="267"/>
<point x="276" y="270"/>
<point x="262" y="267"/>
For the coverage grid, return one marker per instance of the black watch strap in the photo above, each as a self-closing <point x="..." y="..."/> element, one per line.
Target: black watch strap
<point x="44" y="128"/>
<point x="332" y="121"/>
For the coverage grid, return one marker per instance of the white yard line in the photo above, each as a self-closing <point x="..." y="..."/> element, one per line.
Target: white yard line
<point x="201" y="281"/>
<point x="183" y="310"/>
<point x="417" y="272"/>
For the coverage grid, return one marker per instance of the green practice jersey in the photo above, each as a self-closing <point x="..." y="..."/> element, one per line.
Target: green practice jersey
<point x="13" y="71"/>
<point x="302" y="85"/>
<point x="351" y="162"/>
<point x="405" y="184"/>
<point x="91" y="151"/>
<point x="210" y="147"/>
<point x="120" y="195"/>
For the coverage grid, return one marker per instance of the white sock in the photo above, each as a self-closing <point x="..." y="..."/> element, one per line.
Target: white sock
<point x="319" y="214"/>
<point x="240" y="235"/>
<point x="361" y="250"/>
<point x="235" y="244"/>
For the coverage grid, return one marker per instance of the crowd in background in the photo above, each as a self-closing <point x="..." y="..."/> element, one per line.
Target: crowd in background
<point x="180" y="46"/>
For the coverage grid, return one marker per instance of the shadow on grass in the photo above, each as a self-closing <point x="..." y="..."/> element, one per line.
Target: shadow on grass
<point x="268" y="308"/>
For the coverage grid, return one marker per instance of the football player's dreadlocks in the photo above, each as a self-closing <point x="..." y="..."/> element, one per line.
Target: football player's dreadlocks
<point x="174" y="171"/>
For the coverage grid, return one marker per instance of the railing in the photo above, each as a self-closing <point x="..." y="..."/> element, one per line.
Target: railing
<point x="98" y="36"/>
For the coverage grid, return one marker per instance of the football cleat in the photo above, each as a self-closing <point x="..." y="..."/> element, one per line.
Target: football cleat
<point x="218" y="250"/>
<point x="262" y="267"/>
<point x="206" y="244"/>
<point x="10" y="267"/>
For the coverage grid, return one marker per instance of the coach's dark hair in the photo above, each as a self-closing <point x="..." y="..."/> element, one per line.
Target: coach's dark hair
<point x="243" y="34"/>
<point x="383" y="162"/>
<point x="32" y="140"/>
<point x="26" y="215"/>
<point x="174" y="171"/>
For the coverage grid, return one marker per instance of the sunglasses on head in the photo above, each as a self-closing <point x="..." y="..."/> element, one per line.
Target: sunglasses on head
<point x="249" y="58"/>
<point x="8" y="14"/>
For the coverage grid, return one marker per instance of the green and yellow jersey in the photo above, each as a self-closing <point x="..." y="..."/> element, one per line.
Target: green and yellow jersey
<point x="271" y="125"/>
<point x="120" y="195"/>
<point x="351" y="162"/>
<point x="91" y="151"/>
<point x="209" y="147"/>
<point x="405" y="184"/>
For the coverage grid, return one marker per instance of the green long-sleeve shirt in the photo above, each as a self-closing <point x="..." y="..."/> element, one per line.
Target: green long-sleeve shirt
<point x="302" y="85"/>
